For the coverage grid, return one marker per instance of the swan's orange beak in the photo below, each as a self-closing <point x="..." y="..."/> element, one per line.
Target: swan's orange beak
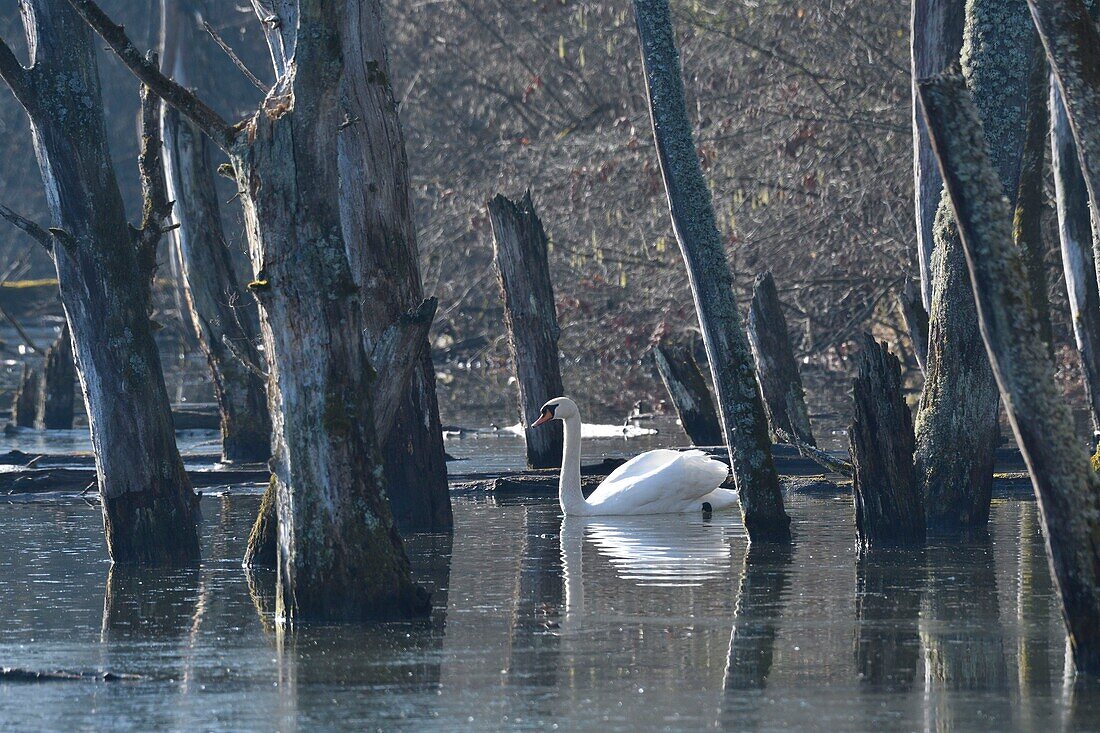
<point x="545" y="417"/>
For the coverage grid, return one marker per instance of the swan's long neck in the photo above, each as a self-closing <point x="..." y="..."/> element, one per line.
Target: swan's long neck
<point x="569" y="485"/>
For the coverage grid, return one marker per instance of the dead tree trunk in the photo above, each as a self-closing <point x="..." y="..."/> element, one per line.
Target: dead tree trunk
<point x="215" y="297"/>
<point x="1067" y="490"/>
<point x="956" y="421"/>
<point x="340" y="557"/>
<point x="916" y="321"/>
<point x="104" y="268"/>
<point x="888" y="502"/>
<point x="742" y="410"/>
<point x="55" y="403"/>
<point x="936" y="35"/>
<point x="688" y="390"/>
<point x="1075" y="234"/>
<point x="24" y="407"/>
<point x="520" y="251"/>
<point x="776" y="367"/>
<point x="376" y="211"/>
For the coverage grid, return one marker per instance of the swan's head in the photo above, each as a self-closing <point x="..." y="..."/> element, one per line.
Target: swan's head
<point x="559" y="408"/>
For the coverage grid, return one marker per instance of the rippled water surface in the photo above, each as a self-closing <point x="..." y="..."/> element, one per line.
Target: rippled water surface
<point x="656" y="623"/>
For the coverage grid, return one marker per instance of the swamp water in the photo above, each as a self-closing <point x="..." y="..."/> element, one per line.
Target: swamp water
<point x="633" y="624"/>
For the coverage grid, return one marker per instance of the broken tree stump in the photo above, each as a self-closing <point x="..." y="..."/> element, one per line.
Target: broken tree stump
<point x="57" y="391"/>
<point x="916" y="321"/>
<point x="888" y="503"/>
<point x="687" y="389"/>
<point x="24" y="406"/>
<point x="776" y="367"/>
<point x="520" y="250"/>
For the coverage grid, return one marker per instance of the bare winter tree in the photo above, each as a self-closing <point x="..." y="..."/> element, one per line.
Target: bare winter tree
<point x="105" y="268"/>
<point x="340" y="556"/>
<point x="956" y="422"/>
<point x="216" y="299"/>
<point x="744" y="420"/>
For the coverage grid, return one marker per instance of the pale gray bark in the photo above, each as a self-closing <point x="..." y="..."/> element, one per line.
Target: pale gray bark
<point x="936" y="32"/>
<point x="916" y="321"/>
<point x="520" y="248"/>
<point x="956" y="422"/>
<point x="688" y="390"/>
<point x="58" y="389"/>
<point x="1067" y="490"/>
<point x="742" y="410"/>
<point x="104" y="268"/>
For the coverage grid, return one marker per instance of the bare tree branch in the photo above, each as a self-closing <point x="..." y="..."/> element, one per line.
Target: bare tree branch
<point x="14" y="73"/>
<point x="38" y="233"/>
<point x="235" y="58"/>
<point x="221" y="132"/>
<point x="22" y="334"/>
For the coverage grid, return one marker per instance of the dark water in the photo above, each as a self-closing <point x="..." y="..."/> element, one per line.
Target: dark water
<point x="661" y="623"/>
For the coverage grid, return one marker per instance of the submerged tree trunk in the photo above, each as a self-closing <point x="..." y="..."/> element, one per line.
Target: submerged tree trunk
<point x="888" y="502"/>
<point x="523" y="271"/>
<point x="55" y="403"/>
<point x="219" y="308"/>
<point x="1067" y="490"/>
<point x="936" y="36"/>
<point x="776" y="367"/>
<point x="24" y="406"/>
<point x="104" y="269"/>
<point x="1075" y="234"/>
<point x="916" y="321"/>
<point x="340" y="556"/>
<point x="741" y="407"/>
<point x="688" y="390"/>
<point x="956" y="421"/>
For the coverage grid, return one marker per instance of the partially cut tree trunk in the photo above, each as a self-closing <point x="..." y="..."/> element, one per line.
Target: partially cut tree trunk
<point x="24" y="407"/>
<point x="776" y="367"/>
<point x="55" y="404"/>
<point x="916" y="321"/>
<point x="936" y="35"/>
<point x="221" y="312"/>
<point x="742" y="410"/>
<point x="520" y="248"/>
<point x="888" y="502"/>
<point x="340" y="557"/>
<point x="104" y="268"/>
<point x="1075" y="234"/>
<point x="688" y="390"/>
<point x="956" y="421"/>
<point x="1067" y="490"/>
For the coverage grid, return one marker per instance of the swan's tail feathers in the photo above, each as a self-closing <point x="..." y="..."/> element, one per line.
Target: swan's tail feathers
<point x="720" y="499"/>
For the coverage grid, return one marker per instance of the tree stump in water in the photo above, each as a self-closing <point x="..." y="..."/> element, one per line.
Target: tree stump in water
<point x="520" y="249"/>
<point x="57" y="394"/>
<point x="776" y="367"/>
<point x="24" y="406"/>
<point x="916" y="321"/>
<point x="688" y="390"/>
<point x="888" y="504"/>
<point x="262" y="550"/>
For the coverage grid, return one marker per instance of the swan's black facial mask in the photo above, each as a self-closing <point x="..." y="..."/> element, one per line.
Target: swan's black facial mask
<point x="546" y="416"/>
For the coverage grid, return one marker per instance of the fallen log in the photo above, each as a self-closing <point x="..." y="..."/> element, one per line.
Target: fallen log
<point x="17" y="674"/>
<point x="35" y="480"/>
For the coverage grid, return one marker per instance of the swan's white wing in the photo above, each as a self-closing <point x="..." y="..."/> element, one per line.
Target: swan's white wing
<point x="658" y="481"/>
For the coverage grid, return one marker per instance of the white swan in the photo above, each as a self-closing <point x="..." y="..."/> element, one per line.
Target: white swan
<point x="657" y="482"/>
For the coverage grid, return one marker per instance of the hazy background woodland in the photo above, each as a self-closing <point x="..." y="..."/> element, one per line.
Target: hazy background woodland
<point x="802" y="113"/>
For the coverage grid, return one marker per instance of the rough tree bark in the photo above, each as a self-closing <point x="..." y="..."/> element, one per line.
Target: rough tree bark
<point x="215" y="297"/>
<point x="916" y="321"/>
<point x="888" y="502"/>
<point x="956" y="421"/>
<point x="687" y="389"/>
<point x="1075" y="235"/>
<point x="24" y="406"/>
<point x="340" y="557"/>
<point x="55" y="402"/>
<point x="742" y="410"/>
<point x="936" y="36"/>
<point x="520" y="251"/>
<point x="104" y="269"/>
<point x="1067" y="490"/>
<point x="776" y="367"/>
